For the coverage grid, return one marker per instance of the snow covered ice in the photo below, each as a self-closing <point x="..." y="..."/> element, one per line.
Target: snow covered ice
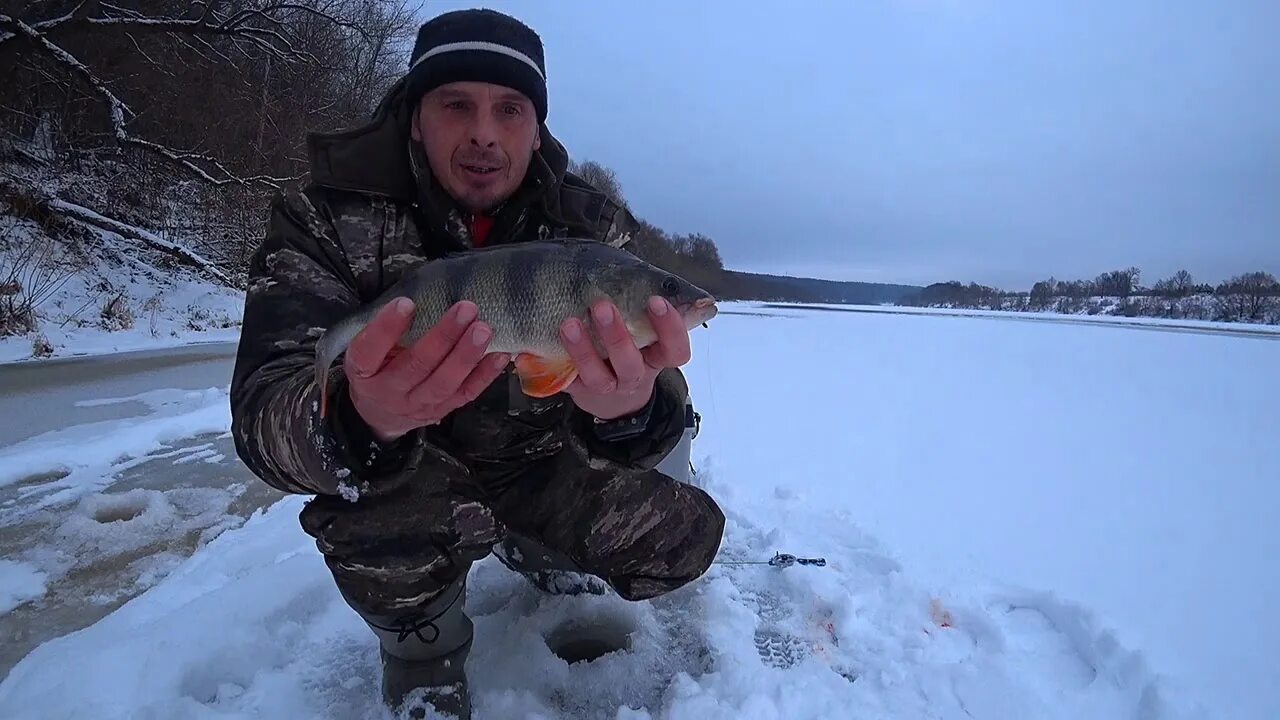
<point x="1020" y="520"/>
<point x="19" y="582"/>
<point x="252" y="627"/>
<point x="85" y="457"/>
<point x="122" y="489"/>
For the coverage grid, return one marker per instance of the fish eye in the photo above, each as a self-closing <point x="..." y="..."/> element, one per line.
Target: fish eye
<point x="670" y="285"/>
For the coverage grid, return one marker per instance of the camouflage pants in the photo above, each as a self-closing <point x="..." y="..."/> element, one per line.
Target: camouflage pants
<point x="642" y="532"/>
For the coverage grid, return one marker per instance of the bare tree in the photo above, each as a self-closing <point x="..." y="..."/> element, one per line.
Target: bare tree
<point x="1251" y="296"/>
<point x="183" y="116"/>
<point x="261" y="30"/>
<point x="1043" y="292"/>
<point x="703" y="250"/>
<point x="1179" y="285"/>
<point x="30" y="272"/>
<point x="600" y="177"/>
<point x="1118" y="283"/>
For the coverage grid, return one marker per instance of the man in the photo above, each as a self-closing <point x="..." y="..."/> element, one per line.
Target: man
<point x="430" y="458"/>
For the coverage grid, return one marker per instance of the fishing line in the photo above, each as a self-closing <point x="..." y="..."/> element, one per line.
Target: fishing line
<point x="711" y="391"/>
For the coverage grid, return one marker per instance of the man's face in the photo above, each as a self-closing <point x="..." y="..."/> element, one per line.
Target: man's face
<point x="479" y="139"/>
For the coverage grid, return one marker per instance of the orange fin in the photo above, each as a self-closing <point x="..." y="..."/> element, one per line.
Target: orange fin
<point x="543" y="377"/>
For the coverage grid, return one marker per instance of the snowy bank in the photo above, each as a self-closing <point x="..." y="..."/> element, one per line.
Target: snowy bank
<point x="104" y="295"/>
<point x="163" y="313"/>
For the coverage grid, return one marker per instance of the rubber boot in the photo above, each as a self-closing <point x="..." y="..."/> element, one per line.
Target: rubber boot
<point x="424" y="655"/>
<point x="550" y="571"/>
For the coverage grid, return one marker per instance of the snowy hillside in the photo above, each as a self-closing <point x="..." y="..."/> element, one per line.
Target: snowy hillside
<point x="103" y="292"/>
<point x="1019" y="520"/>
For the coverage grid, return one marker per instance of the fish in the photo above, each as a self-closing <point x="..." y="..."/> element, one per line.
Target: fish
<point x="524" y="292"/>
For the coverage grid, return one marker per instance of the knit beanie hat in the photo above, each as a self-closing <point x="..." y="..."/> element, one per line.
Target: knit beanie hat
<point x="478" y="46"/>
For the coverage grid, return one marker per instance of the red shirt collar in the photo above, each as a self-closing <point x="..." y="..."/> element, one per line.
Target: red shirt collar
<point x="480" y="225"/>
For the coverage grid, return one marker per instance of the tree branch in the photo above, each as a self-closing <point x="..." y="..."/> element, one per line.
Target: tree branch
<point x="183" y="254"/>
<point x="117" y="111"/>
<point x="38" y="198"/>
<point x="208" y="23"/>
<point x="159" y="68"/>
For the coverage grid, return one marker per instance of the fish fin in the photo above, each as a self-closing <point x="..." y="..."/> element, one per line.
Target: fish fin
<point x="332" y="343"/>
<point x="322" y="385"/>
<point x="543" y="377"/>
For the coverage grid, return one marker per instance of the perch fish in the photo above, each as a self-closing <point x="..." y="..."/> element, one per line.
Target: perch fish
<point x="524" y="291"/>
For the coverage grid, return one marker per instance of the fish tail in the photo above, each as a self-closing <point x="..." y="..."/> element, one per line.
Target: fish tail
<point x="333" y="343"/>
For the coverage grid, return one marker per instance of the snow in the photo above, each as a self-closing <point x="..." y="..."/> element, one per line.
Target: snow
<point x="1020" y="520"/>
<point x="185" y="313"/>
<point x="122" y="229"/>
<point x="159" y="308"/>
<point x="1081" y="318"/>
<point x="19" y="583"/>
<point x="1132" y="472"/>
<point x="251" y="626"/>
<point x="86" y="458"/>
<point x="125" y="535"/>
<point x="99" y="527"/>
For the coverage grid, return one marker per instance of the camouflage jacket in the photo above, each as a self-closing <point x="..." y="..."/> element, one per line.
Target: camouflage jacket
<point x="370" y="211"/>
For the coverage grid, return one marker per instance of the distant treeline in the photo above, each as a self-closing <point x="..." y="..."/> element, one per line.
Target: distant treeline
<point x="697" y="258"/>
<point x="1252" y="297"/>
<point x="780" y="288"/>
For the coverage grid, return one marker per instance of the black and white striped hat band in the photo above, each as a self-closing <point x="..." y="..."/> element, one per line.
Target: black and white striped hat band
<point x="483" y="46"/>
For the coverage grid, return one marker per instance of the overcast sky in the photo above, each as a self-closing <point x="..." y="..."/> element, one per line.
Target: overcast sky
<point x="924" y="140"/>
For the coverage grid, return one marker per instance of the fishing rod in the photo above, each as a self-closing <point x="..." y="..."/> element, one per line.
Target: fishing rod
<point x="779" y="559"/>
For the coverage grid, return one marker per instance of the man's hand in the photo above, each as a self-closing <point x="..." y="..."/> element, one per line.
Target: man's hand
<point x="624" y="383"/>
<point x="396" y="390"/>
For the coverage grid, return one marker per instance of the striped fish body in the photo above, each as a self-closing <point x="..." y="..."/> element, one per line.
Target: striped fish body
<point x="524" y="292"/>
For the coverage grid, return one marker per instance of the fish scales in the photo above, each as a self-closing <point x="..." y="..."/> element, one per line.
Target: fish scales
<point x="524" y="297"/>
<point x="518" y="286"/>
<point x="459" y="283"/>
<point x="527" y="300"/>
